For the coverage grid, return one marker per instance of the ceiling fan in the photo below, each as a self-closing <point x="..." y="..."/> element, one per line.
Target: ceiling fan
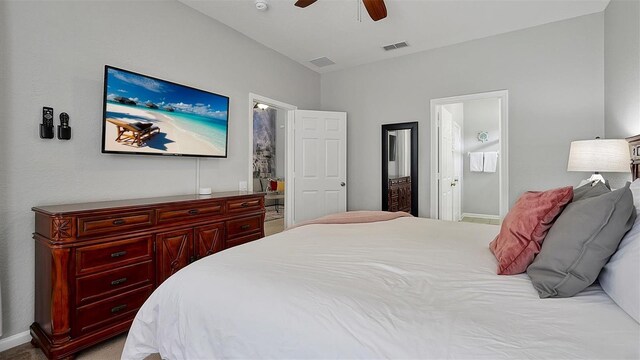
<point x="376" y="8"/>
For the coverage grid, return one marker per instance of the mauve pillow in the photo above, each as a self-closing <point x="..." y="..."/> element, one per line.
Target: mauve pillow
<point x="525" y="227"/>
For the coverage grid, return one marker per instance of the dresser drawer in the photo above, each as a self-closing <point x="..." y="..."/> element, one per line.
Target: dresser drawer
<point x="95" y="225"/>
<point x="242" y="240"/>
<point x="112" y="254"/>
<point x="188" y="212"/>
<point x="244" y="205"/>
<point x="108" y="283"/>
<point x="244" y="226"/>
<point x="110" y="311"/>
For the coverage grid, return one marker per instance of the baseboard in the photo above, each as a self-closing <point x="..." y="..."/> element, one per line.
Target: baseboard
<point x="15" y="340"/>
<point x="481" y="216"/>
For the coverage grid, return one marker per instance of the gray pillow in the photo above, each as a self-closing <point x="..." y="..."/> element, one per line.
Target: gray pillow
<point x="581" y="242"/>
<point x="588" y="191"/>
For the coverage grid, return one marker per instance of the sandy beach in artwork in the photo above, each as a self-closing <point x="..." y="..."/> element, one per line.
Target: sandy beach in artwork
<point x="172" y="139"/>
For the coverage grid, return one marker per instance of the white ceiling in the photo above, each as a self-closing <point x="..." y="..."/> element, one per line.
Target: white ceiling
<point x="331" y="28"/>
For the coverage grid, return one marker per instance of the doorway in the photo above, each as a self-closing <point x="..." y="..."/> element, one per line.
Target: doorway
<point x="315" y="153"/>
<point x="469" y="157"/>
<point x="269" y="158"/>
<point x="320" y="165"/>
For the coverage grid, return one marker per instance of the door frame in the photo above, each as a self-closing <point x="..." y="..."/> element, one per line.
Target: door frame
<point x="435" y="104"/>
<point x="288" y="152"/>
<point x="461" y="163"/>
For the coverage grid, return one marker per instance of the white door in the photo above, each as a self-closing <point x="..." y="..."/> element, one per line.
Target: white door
<point x="446" y="165"/>
<point x="320" y="164"/>
<point x="457" y="171"/>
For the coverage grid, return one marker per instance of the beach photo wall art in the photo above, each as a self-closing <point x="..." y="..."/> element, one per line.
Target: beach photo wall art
<point x="146" y="115"/>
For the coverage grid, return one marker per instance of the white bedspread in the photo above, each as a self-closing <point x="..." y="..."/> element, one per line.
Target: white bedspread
<point x="406" y="288"/>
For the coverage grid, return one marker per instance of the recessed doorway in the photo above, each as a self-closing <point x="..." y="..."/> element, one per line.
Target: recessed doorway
<point x="469" y="157"/>
<point x="269" y="156"/>
<point x="316" y="153"/>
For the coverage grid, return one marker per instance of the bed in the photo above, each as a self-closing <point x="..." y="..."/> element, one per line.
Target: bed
<point x="403" y="288"/>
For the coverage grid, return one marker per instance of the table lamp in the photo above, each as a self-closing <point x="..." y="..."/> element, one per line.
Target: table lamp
<point x="599" y="155"/>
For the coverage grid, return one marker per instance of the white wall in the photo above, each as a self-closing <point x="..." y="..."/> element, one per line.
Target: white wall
<point x="555" y="77"/>
<point x="401" y="166"/>
<point x="403" y="152"/>
<point x="480" y="190"/>
<point x="622" y="68"/>
<point x="53" y="53"/>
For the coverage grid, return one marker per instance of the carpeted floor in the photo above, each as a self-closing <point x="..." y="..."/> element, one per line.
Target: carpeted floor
<point x="480" y="220"/>
<point x="272" y="214"/>
<point x="273" y="227"/>
<point x="108" y="350"/>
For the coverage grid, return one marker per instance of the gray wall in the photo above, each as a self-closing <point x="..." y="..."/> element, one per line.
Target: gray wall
<point x="555" y="77"/>
<point x="480" y="190"/>
<point x="53" y="53"/>
<point x="622" y="68"/>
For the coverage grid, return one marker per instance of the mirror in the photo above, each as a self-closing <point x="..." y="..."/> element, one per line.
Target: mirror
<point x="400" y="167"/>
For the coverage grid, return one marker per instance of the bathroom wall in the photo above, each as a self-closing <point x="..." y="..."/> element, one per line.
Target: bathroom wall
<point x="480" y="190"/>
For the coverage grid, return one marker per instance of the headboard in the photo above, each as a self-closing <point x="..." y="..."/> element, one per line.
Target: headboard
<point x="634" y="144"/>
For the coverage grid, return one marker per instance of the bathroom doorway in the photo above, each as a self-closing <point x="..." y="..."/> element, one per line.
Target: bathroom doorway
<point x="469" y="167"/>
<point x="269" y="157"/>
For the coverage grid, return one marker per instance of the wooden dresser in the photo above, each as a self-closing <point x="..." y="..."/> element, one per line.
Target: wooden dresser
<point x="97" y="263"/>
<point x="400" y="194"/>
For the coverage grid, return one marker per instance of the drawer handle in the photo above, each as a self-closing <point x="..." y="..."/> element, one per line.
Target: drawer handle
<point x="118" y="254"/>
<point x="118" y="308"/>
<point x="118" y="281"/>
<point x="193" y="212"/>
<point x="119" y="222"/>
<point x="245" y="227"/>
<point x="244" y="204"/>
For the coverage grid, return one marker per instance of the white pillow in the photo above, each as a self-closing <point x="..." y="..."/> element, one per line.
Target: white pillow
<point x="635" y="190"/>
<point x="620" y="278"/>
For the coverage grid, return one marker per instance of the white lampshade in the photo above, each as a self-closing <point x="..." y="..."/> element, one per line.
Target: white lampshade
<point x="599" y="155"/>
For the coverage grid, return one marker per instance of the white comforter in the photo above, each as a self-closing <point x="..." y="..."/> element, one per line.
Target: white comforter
<point x="406" y="288"/>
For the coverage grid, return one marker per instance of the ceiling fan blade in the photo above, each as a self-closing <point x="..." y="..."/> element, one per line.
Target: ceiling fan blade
<point x="376" y="9"/>
<point x="304" y="3"/>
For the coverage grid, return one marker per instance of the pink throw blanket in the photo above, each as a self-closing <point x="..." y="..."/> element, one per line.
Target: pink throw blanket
<point x="355" y="217"/>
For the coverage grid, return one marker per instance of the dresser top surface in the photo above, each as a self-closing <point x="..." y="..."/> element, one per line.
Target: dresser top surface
<point x="103" y="205"/>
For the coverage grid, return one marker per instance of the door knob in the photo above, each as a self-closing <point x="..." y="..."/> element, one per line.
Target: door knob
<point x="342" y="184"/>
<point x="453" y="184"/>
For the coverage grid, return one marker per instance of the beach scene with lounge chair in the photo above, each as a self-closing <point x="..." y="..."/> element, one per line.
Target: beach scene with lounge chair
<point x="143" y="114"/>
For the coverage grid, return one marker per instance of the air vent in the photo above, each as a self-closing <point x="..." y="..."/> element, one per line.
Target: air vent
<point x="399" y="45"/>
<point x="322" y="61"/>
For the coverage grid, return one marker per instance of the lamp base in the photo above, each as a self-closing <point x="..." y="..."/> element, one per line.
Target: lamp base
<point x="594" y="180"/>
